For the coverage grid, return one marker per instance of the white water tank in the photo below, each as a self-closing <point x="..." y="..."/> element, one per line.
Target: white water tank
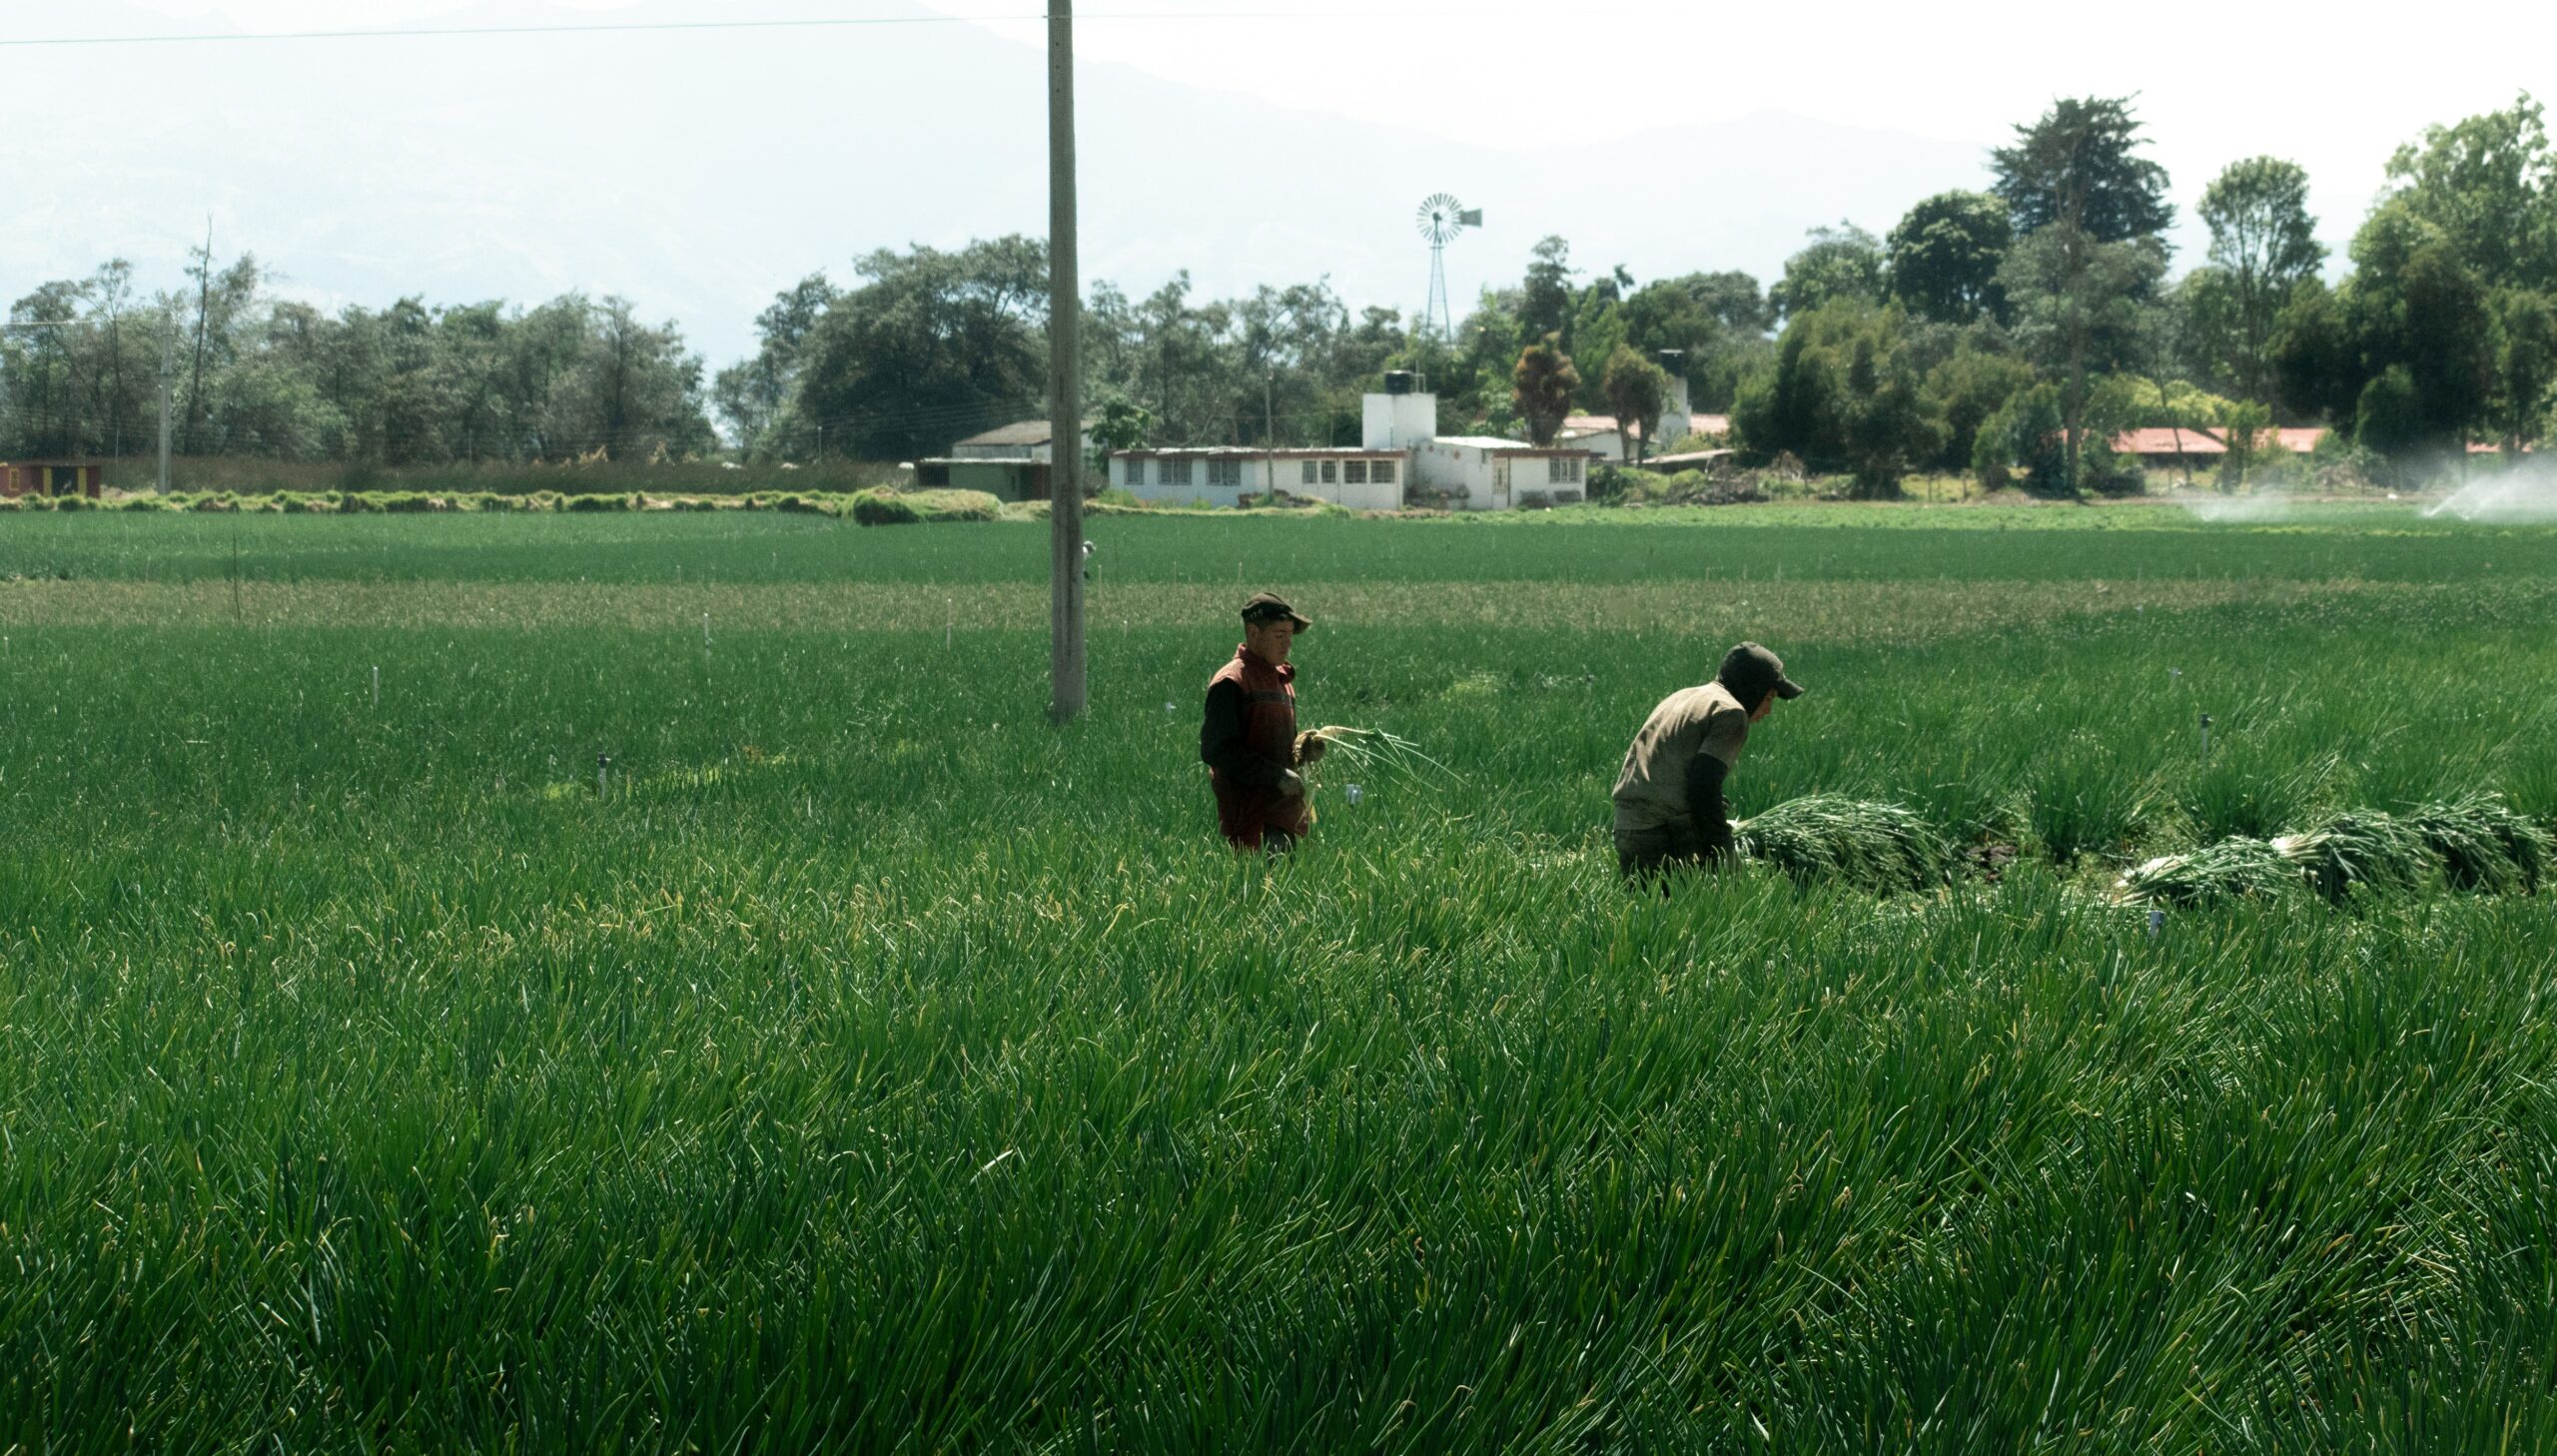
<point x="1398" y="422"/>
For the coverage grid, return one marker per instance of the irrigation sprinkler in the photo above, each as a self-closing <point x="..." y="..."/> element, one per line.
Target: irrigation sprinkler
<point x="376" y="685"/>
<point x="2156" y="921"/>
<point x="603" y="769"/>
<point x="1353" y="793"/>
<point x="950" y="625"/>
<point x="2205" y="741"/>
<point x="705" y="631"/>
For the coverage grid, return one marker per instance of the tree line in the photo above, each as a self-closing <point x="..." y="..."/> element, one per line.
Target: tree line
<point x="2014" y="332"/>
<point x="2009" y="332"/>
<point x="253" y="374"/>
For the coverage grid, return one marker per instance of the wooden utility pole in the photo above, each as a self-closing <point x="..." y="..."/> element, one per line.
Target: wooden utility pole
<point x="1065" y="379"/>
<point x="168" y="372"/>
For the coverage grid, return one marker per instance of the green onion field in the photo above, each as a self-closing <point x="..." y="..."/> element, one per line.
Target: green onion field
<point x="868" y="1065"/>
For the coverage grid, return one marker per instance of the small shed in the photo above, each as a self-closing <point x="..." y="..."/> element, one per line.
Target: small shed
<point x="51" y="478"/>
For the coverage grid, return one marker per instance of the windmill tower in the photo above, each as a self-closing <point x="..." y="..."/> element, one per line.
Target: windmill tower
<point x="1441" y="218"/>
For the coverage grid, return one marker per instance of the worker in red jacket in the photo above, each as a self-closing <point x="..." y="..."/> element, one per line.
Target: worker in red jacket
<point x="1249" y="741"/>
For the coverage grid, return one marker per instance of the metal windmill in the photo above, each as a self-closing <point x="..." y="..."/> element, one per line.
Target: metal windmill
<point x="1441" y="218"/>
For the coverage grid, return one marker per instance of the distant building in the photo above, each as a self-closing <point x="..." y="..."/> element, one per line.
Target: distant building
<point x="1400" y="455"/>
<point x="1009" y="463"/>
<point x="2167" y="448"/>
<point x="1597" y="433"/>
<point x="1224" y="474"/>
<point x="51" y="478"/>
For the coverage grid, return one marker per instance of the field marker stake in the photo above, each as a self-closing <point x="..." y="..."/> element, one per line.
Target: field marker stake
<point x="951" y="623"/>
<point x="2156" y="922"/>
<point x="2206" y="740"/>
<point x="604" y="766"/>
<point x="705" y="631"/>
<point x="377" y="686"/>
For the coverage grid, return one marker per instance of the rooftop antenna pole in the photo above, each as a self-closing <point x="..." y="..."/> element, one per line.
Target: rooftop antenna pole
<point x="1065" y="381"/>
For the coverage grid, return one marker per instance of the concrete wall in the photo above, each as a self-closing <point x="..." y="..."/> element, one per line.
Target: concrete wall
<point x="1255" y="479"/>
<point x="1004" y="479"/>
<point x="1397" y="422"/>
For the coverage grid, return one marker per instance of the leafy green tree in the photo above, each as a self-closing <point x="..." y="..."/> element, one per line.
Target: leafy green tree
<point x="2416" y="305"/>
<point x="2089" y="210"/>
<point x="1843" y="261"/>
<point x="1967" y="388"/>
<point x="1717" y="322"/>
<point x="2243" y="426"/>
<point x="1545" y="300"/>
<point x="1843" y="392"/>
<point x="2389" y="419"/>
<point x="2082" y="307"/>
<point x="2023" y="435"/>
<point x="1637" y="391"/>
<point x="2523" y="366"/>
<point x="1945" y="256"/>
<point x="2488" y="187"/>
<point x="2078" y="168"/>
<point x="754" y="392"/>
<point x="2314" y="355"/>
<point x="932" y="345"/>
<point x="1543" y="384"/>
<point x="2263" y="244"/>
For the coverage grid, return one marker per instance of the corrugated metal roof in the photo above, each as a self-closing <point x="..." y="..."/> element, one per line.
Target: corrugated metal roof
<point x="1498" y="445"/>
<point x="1018" y="433"/>
<point x="1254" y="452"/>
<point x="2166" y="441"/>
<point x="1606" y="424"/>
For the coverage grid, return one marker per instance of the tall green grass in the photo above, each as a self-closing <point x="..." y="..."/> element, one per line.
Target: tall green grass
<point x="874" y="1066"/>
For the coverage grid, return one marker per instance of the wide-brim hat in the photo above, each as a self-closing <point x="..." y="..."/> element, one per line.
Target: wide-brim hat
<point x="1266" y="607"/>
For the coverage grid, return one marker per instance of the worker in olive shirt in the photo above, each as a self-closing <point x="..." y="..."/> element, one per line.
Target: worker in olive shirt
<point x="1669" y="806"/>
<point x="1249" y="740"/>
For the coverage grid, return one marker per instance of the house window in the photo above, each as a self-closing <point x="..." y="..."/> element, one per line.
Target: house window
<point x="1353" y="472"/>
<point x="1381" y="472"/>
<point x="1331" y="472"/>
<point x="1557" y="469"/>
<point x="1309" y="477"/>
<point x="1174" y="473"/>
<point x="1224" y="473"/>
<point x="1135" y="473"/>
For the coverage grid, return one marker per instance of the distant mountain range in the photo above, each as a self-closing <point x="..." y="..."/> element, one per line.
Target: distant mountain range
<point x="697" y="174"/>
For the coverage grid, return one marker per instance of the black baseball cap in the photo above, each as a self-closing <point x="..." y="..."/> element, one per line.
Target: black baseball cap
<point x="1751" y="671"/>
<point x="1265" y="607"/>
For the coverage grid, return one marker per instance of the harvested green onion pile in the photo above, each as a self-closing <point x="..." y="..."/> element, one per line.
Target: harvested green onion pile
<point x="2361" y="847"/>
<point x="2485" y="846"/>
<point x="2232" y="868"/>
<point x="2474" y="843"/>
<point x="1856" y="841"/>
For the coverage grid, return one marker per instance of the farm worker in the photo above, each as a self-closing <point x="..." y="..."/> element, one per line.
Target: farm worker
<point x="1669" y="806"/>
<point x="1249" y="741"/>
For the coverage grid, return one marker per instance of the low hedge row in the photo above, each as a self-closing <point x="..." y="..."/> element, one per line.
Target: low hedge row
<point x="870" y="507"/>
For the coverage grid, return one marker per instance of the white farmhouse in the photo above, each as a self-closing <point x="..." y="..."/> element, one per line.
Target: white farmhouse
<point x="1401" y="457"/>
<point x="1224" y="474"/>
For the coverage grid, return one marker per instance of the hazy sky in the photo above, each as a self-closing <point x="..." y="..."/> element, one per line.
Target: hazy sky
<point x="2215" y="82"/>
<point x="2217" y="79"/>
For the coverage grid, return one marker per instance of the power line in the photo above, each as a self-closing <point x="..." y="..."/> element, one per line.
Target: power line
<point x="624" y="28"/>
